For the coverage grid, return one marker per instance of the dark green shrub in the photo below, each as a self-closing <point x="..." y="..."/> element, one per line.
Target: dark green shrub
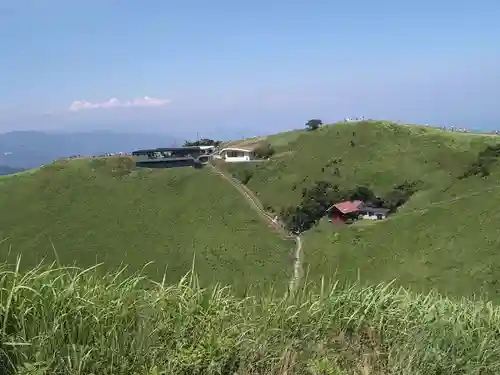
<point x="482" y="165"/>
<point x="264" y="151"/>
<point x="400" y="194"/>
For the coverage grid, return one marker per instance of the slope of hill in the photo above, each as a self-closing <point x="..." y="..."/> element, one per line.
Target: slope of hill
<point x="372" y="153"/>
<point x="86" y="211"/>
<point x="103" y="210"/>
<point x="445" y="237"/>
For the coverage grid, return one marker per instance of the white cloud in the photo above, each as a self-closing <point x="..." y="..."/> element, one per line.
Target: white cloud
<point x="78" y="105"/>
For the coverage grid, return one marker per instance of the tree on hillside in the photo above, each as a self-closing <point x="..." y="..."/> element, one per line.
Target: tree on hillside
<point x="400" y="194"/>
<point x="313" y="124"/>
<point x="312" y="207"/>
<point x="296" y="219"/>
<point x="264" y="150"/>
<point x="484" y="162"/>
<point x="362" y="193"/>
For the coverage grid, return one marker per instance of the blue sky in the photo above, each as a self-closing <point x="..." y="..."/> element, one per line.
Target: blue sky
<point x="233" y="68"/>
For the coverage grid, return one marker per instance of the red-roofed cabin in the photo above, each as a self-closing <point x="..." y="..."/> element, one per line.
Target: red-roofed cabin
<point x="344" y="211"/>
<point x="352" y="210"/>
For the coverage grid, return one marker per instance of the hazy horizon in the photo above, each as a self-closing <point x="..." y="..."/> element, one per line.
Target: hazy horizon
<point x="226" y="69"/>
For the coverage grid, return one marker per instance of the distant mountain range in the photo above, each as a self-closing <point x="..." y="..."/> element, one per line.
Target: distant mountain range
<point x="5" y="170"/>
<point x="30" y="149"/>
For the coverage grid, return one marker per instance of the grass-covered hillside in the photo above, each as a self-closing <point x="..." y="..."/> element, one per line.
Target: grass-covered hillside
<point x="89" y="211"/>
<point x="64" y="321"/>
<point x="446" y="239"/>
<point x="446" y="235"/>
<point x="372" y="153"/>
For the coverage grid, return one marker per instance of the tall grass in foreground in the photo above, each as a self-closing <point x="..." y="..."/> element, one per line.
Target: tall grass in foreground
<point x="72" y="321"/>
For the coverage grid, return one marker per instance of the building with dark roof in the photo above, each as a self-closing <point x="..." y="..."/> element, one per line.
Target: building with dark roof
<point x="168" y="157"/>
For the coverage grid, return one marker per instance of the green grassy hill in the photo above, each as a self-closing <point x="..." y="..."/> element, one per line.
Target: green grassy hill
<point x="446" y="237"/>
<point x="373" y="153"/>
<point x="103" y="210"/>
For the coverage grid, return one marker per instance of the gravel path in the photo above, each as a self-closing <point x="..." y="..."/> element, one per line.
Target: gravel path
<point x="273" y="223"/>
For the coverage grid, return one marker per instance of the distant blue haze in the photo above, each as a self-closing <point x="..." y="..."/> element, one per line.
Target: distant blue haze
<point x="232" y="68"/>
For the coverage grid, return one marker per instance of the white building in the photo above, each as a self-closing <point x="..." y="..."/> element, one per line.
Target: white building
<point x="234" y="154"/>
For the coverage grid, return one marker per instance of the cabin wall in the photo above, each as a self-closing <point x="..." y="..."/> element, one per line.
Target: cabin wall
<point x="237" y="156"/>
<point x="237" y="159"/>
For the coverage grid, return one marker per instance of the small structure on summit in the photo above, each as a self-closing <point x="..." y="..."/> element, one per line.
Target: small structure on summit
<point x="349" y="211"/>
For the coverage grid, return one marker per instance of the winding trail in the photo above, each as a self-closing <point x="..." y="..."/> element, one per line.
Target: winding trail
<point x="297" y="266"/>
<point x="273" y="223"/>
<point x="277" y="226"/>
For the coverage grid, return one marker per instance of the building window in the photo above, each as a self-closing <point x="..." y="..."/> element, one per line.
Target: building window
<point x="235" y="154"/>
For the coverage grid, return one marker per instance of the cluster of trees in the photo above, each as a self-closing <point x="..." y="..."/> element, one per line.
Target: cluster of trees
<point x="313" y="204"/>
<point x="202" y="142"/>
<point x="318" y="198"/>
<point x="400" y="194"/>
<point x="485" y="160"/>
